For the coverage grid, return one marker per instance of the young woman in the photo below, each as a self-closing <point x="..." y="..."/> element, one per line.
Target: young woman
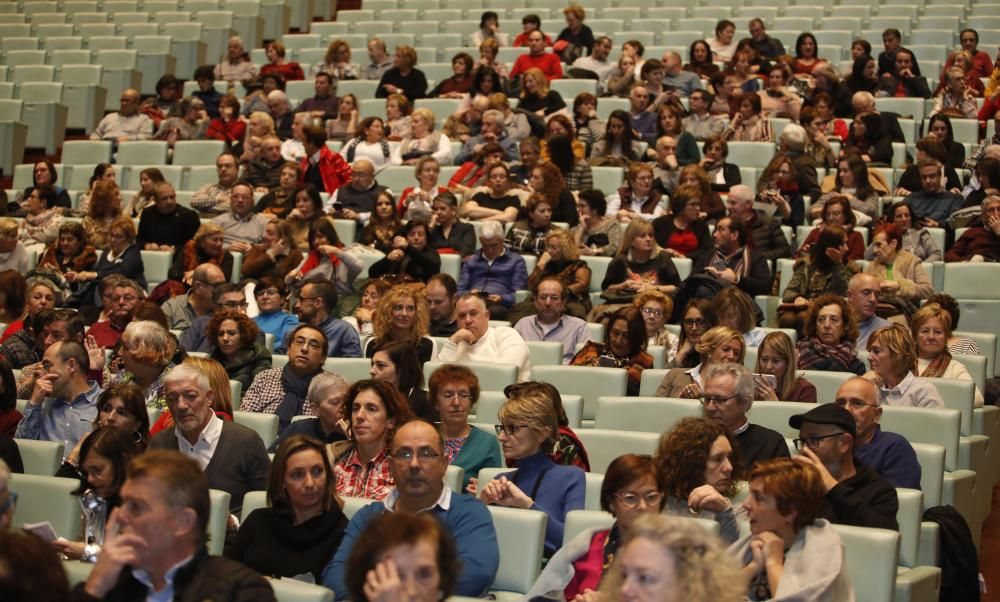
<point x="234" y="345"/>
<point x="624" y="346"/>
<point x="148" y="178"/>
<point x="402" y="316"/>
<point x="776" y="356"/>
<point x="806" y="54"/>
<point x="852" y="181"/>
<point x="700" y="60"/>
<point x="384" y="224"/>
<point x="227" y="127"/>
<point x="371" y="294"/>
<point x="410" y="258"/>
<point x="864" y="75"/>
<point x="346" y="123"/>
<point x="778" y="186"/>
<point x="619" y="145"/>
<point x="547" y="181"/>
<point x="595" y="234"/>
<point x="527" y="236"/>
<point x="867" y="139"/>
<point x="275" y="255"/>
<point x="623" y="76"/>
<point x="398" y="365"/>
<point x="270" y="293"/>
<point x="495" y="204"/>
<point x="939" y="126"/>
<point x="308" y="209"/>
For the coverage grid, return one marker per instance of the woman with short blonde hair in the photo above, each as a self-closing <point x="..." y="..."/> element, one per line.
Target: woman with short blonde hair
<point x="892" y="355"/>
<point x="931" y="330"/>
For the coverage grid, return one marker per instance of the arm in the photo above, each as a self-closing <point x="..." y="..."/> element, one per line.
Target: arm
<point x="872" y="509"/>
<point x="443" y="152"/>
<point x="758" y="280"/>
<point x="796" y="285"/>
<point x="477" y="547"/>
<point x="30" y="426"/>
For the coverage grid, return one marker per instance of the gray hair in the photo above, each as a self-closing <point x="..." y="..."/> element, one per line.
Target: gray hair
<point x="491" y="230"/>
<point x="185" y="372"/>
<point x="149" y="339"/>
<point x="494" y="116"/>
<point x="43" y="281"/>
<point x="742" y="379"/>
<point x="322" y="384"/>
<point x="794" y="137"/>
<point x="742" y="192"/>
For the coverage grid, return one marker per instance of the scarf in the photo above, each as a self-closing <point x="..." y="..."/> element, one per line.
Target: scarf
<point x="626" y="196"/>
<point x="295" y="388"/>
<point x="937" y="366"/>
<point x="315" y="258"/>
<point x="815" y="354"/>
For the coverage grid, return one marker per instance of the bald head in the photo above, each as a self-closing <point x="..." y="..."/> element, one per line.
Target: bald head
<point x="862" y="293"/>
<point x="209" y="273"/>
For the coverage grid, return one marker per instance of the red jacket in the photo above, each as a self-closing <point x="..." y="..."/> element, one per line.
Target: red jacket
<point x="549" y="63"/>
<point x="227" y="132"/>
<point x="334" y="170"/>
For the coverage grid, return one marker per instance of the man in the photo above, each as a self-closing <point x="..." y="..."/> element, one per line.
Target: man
<point x="380" y="61"/>
<point x="236" y="65"/>
<point x="477" y="341"/>
<point x="767" y="46"/>
<point x="440" y="293"/>
<point x="264" y="172"/>
<point x="324" y="104"/>
<point x="127" y="124"/>
<point x="979" y="243"/>
<point x="155" y="548"/>
<point x="765" y="232"/>
<point x="214" y="198"/>
<point x="494" y="271"/>
<point x="280" y="109"/>
<point x="700" y="123"/>
<point x="890" y="454"/>
<point x="892" y="41"/>
<point x="225" y="297"/>
<point x="418" y="464"/>
<point x="233" y="456"/>
<point x="855" y="493"/>
<point x="292" y="149"/>
<point x="241" y="226"/>
<point x="63" y="403"/>
<point x="356" y="199"/>
<point x="666" y="170"/>
<point x="732" y="261"/>
<point x="322" y="168"/>
<point x="530" y="24"/>
<point x="126" y="296"/>
<point x="316" y="302"/>
<point x="792" y="143"/>
<point x="684" y="82"/>
<point x="727" y="397"/>
<point x="862" y="294"/>
<point x="864" y="102"/>
<point x="492" y="130"/>
<point x="182" y="310"/>
<point x="902" y="82"/>
<point x="550" y="323"/>
<point x="982" y="64"/>
<point x="166" y="225"/>
<point x="50" y="326"/>
<point x="282" y="391"/>
<point x="933" y="205"/>
<point x="642" y="119"/>
<point x="598" y="63"/>
<point x="536" y="57"/>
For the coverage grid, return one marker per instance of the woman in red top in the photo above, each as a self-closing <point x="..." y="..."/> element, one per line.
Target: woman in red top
<point x="683" y="233"/>
<point x="458" y="85"/>
<point x="228" y="126"/>
<point x="289" y="71"/>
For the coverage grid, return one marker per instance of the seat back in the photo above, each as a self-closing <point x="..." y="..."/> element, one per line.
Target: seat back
<point x="40" y="457"/>
<point x="490" y="402"/>
<point x="972" y="280"/>
<point x="578" y="521"/>
<point x="351" y="368"/>
<point x="143" y="152"/>
<point x="957" y="395"/>
<point x="265" y="425"/>
<point x="252" y="500"/>
<point x="926" y="425"/>
<point x="826" y="382"/>
<point x="643" y="414"/>
<point x="46" y="498"/>
<point x="86" y="152"/>
<point x="521" y="537"/>
<point x="218" y="518"/>
<point x="908" y="516"/>
<point x="589" y="383"/>
<point x="872" y="557"/>
<point x="545" y="353"/>
<point x="931" y="459"/>
<point x="604" y="446"/>
<point x="492" y="377"/>
<point x="775" y="414"/>
<point x="290" y="590"/>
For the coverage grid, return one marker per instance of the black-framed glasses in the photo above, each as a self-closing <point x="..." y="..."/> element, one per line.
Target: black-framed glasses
<point x="424" y="454"/>
<point x="716" y="399"/>
<point x="694" y="322"/>
<point x="813" y="442"/>
<point x="509" y="429"/>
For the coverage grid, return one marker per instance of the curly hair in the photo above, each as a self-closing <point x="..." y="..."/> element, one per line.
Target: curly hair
<point x="103" y="199"/>
<point x="247" y="328"/>
<point x="846" y="310"/>
<point x="148" y="342"/>
<point x="570" y="251"/>
<point x="396" y="407"/>
<point x="382" y="318"/>
<point x="552" y="183"/>
<point x="683" y="454"/>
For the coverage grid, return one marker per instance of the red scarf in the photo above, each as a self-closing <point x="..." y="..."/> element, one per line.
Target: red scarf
<point x="314" y="258"/>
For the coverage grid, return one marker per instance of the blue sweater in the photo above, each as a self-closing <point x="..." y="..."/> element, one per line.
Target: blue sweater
<point x="468" y="521"/>
<point x="277" y="323"/>
<point x="563" y="488"/>
<point x="891" y="456"/>
<point x="505" y="275"/>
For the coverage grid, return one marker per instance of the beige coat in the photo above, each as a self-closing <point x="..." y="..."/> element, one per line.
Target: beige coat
<point x="914" y="283"/>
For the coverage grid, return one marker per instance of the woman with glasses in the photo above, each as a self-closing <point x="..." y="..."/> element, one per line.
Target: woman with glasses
<point x="398" y="365"/>
<point x="696" y="466"/>
<point x="624" y="346"/>
<point x="568" y="450"/>
<point x="892" y="355"/>
<point x="931" y="329"/>
<point x="234" y="343"/>
<point x="697" y="318"/>
<point x="776" y="357"/>
<point x="656" y="309"/>
<point x="632" y="487"/>
<point x="527" y="431"/>
<point x="270" y="293"/>
<point x="454" y="391"/>
<point x="402" y="316"/>
<point x="719" y="345"/>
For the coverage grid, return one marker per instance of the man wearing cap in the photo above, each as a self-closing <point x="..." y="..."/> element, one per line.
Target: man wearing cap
<point x="890" y="454"/>
<point x="855" y="493"/>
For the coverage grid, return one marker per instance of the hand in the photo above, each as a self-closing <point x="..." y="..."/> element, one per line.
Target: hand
<point x="43" y="388"/>
<point x="349" y="214"/>
<point x="382" y="584"/>
<point x="362" y="314"/>
<point x="992" y="222"/>
<point x="70" y="276"/>
<point x="929" y="223"/>
<point x="505" y="493"/>
<point x="808" y="456"/>
<point x="835" y="254"/>
<point x="801" y="301"/>
<point x="692" y="391"/>
<point x="188" y="277"/>
<point x="977" y="259"/>
<point x="331" y="250"/>
<point x="763" y="391"/>
<point x="757" y="553"/>
<point x="119" y="550"/>
<point x="95" y="353"/>
<point x="279" y="247"/>
<point x="395" y="255"/>
<point x="588" y="595"/>
<point x="472" y="487"/>
<point x="728" y="274"/>
<point x="544" y="259"/>
<point x="493" y="298"/>
<point x="772" y="546"/>
<point x="72" y="549"/>
<point x="240" y="247"/>
<point x="706" y="497"/>
<point x="900" y="192"/>
<point x="463" y="335"/>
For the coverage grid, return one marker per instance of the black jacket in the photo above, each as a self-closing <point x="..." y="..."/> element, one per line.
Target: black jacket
<point x="758" y="280"/>
<point x="864" y="500"/>
<point x="768" y="239"/>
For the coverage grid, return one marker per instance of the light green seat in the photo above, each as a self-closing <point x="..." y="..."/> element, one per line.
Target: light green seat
<point x="490" y="402"/>
<point x="218" y="518"/>
<point x="607" y="180"/>
<point x="650" y="380"/>
<point x="156" y="264"/>
<point x="45" y="114"/>
<point x="775" y="414"/>
<point x="914" y="583"/>
<point x="972" y="281"/>
<point x="290" y="590"/>
<point x="578" y="521"/>
<point x="40" y="457"/>
<point x="347" y="230"/>
<point x="265" y="425"/>
<point x="353" y="504"/>
<point x="142" y="152"/>
<point x="197" y="152"/>
<point x="826" y="382"/>
<point x="47" y="498"/>
<point x="351" y="368"/>
<point x="86" y="152"/>
<point x="751" y="154"/>
<point x="588" y="382"/>
<point x="603" y="446"/>
<point x="643" y="414"/>
<point x="492" y="377"/>
<point x="932" y="473"/>
<point x="451" y="264"/>
<point x="521" y="537"/>
<point x="592" y="484"/>
<point x="76" y="571"/>
<point x="545" y="353"/>
<point x="252" y="500"/>
<point x="872" y="557"/>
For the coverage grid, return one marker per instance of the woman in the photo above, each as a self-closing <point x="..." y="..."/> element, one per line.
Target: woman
<point x="915" y="239"/>
<point x="568" y="450"/>
<point x="13" y="256"/>
<point x="206" y="247"/>
<point x="779" y="186"/>
<point x="736" y="309"/>
<point x="939" y="126"/>
<point x="955" y="96"/>
<point x="327" y="260"/>
<point x="779" y="99"/>
<point x="790" y="554"/>
<point x="747" y="124"/>
<point x="987" y="176"/>
<point x="589" y="128"/>
<point x="620" y="144"/>
<point x="864" y="75"/>
<point x="695" y="461"/>
<point x="473" y="173"/>
<point x="270" y="293"/>
<point x="527" y="236"/>
<point x="700" y="60"/>
<point x="120" y="406"/>
<point x="303" y="524"/>
<point x="575" y="170"/>
<point x="932" y="330"/>
<point x="595" y="234"/>
<point x="275" y="255"/>
<point x="449" y="236"/>
<point x="721" y="175"/>
<point x="829" y="334"/>
<point x="819" y="271"/>
<point x="423" y="141"/>
<point x="547" y="181"/>
<point x="536" y="97"/>
<point x="384" y="224"/>
<point x="402" y="316"/>
<point x="227" y="127"/>
<point x="637" y="200"/>
<point x="624" y="346"/>
<point x="326" y="395"/>
<point x="723" y="45"/>
<point x="371" y="294"/>
<point x="852" y="181"/>
<point x="373" y="410"/>
<point x="410" y="258"/>
<point x="670" y="122"/>
<point x="459" y="84"/>
<point x="623" y="76"/>
<point x="369" y="144"/>
<point x="489" y="29"/>
<point x="71" y="253"/>
<point x="259" y="125"/>
<point x="188" y="121"/>
<point x="454" y="391"/>
<point x="806" y="54"/>
<point x="656" y="310"/>
<point x="527" y="430"/>
<point x="398" y="109"/>
<point x="892" y="355"/>
<point x="869" y="140"/>
<point x="837" y="213"/>
<point x="44" y="174"/>
<point x="427" y="170"/>
<point x="337" y="62"/>
<point x="639" y="265"/>
<point x="530" y="150"/>
<point x="577" y="38"/>
<point x="632" y="487"/>
<point x="900" y="272"/>
<point x="122" y="257"/>
<point x="42" y="219"/>
<point x="403" y="77"/>
<point x="956" y="344"/>
<point x="234" y="343"/>
<point x="561" y="260"/>
<point x="103" y="172"/>
<point x="345" y="124"/>
<point x="145" y="358"/>
<point x="145" y="197"/>
<point x="683" y="233"/>
<point x="402" y="556"/>
<point x="776" y="357"/>
<point x="719" y="345"/>
<point x="836" y="129"/>
<point x="276" y="63"/>
<point x="827" y="81"/>
<point x="744" y="68"/>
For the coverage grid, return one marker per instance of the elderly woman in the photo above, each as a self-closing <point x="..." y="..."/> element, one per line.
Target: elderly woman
<point x="410" y="257"/>
<point x="777" y="358"/>
<point x="852" y="181"/>
<point x="402" y="316"/>
<point x="278" y="64"/>
<point x="71" y="253"/>
<point x="778" y="186"/>
<point x="337" y="62"/>
<point x="527" y="236"/>
<point x="637" y="200"/>
<point x="427" y="171"/>
<point x="595" y="234"/>
<point x="735" y="309"/>
<point x="632" y="487"/>
<point x="822" y="271"/>
<point x="454" y="391"/>
<point x="234" y="343"/>
<point x="624" y="346"/>
<point x="206" y="247"/>
<point x="144" y="197"/>
<point x="901" y="273"/>
<point x="13" y="255"/>
<point x="695" y="460"/>
<point x="403" y="77"/>
<point x="747" y="124"/>
<point x="719" y="345"/>
<point x="639" y="265"/>
<point x="303" y="524"/>
<point x="122" y="257"/>
<point x="955" y="96"/>
<point x="931" y="331"/>
<point x="398" y="111"/>
<point x="373" y="410"/>
<point x="275" y="255"/>
<point x="528" y="428"/>
<point x="423" y="141"/>
<point x="41" y="221"/>
<point x="398" y="365"/>
<point x="828" y="336"/>
<point x="489" y="29"/>
<point x="144" y="359"/>
<point x="790" y="554"/>
<point x="914" y="238"/>
<point x="326" y="393"/>
<point x="656" y="309"/>
<point x="683" y="232"/>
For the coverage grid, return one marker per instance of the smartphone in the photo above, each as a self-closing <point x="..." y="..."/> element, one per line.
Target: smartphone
<point x="607" y="362"/>
<point x="338" y="206"/>
<point x="767" y="379"/>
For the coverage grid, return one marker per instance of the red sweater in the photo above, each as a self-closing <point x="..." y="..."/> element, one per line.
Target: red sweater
<point x="287" y="71"/>
<point x="232" y="131"/>
<point x="549" y="63"/>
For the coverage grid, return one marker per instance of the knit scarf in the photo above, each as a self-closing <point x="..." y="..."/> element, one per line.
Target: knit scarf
<point x="936" y="368"/>
<point x="295" y="388"/>
<point x="812" y="352"/>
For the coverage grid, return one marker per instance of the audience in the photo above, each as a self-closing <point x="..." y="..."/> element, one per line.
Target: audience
<point x="477" y="340"/>
<point x="717" y="345"/>
<point x="454" y="391"/>
<point x="931" y="330"/>
<point x="552" y="321"/>
<point x="63" y="402"/>
<point x="776" y="357"/>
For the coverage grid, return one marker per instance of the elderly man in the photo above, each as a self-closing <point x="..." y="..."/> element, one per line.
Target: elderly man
<point x="933" y="205"/>
<point x="292" y="149"/>
<point x="598" y="62"/>
<point x="492" y="129"/>
<point x="982" y="242"/>
<point x="126" y="296"/>
<point x="182" y="310"/>
<point x="127" y="124"/>
<point x="282" y="391"/>
<point x="666" y="170"/>
<point x="155" y="548"/>
<point x="765" y="232"/>
<point x="767" y="46"/>
<point x="792" y="143"/>
<point x="264" y="172"/>
<point x="166" y="225"/>
<point x="63" y="403"/>
<point x="315" y="305"/>
<point x="418" y="466"/>
<point x="241" y="226"/>
<point x="864" y="102"/>
<point x="642" y="119"/>
<point x="323" y="169"/>
<point x="233" y="456"/>
<point x="855" y="493"/>
<point x="213" y="198"/>
<point x="280" y="109"/>
<point x="236" y="65"/>
<point x="550" y="322"/>
<point x="727" y="395"/>
<point x="890" y="454"/>
<point x="356" y="199"/>
<point x="324" y="104"/>
<point x="477" y="341"/>
<point x="684" y="82"/>
<point x="547" y="62"/>
<point x="700" y="123"/>
<point x="379" y="60"/>
<point x="733" y="261"/>
<point x="440" y="292"/>
<point x="862" y="294"/>
<point x="494" y="271"/>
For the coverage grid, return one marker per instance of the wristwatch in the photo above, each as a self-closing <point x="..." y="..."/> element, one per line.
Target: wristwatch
<point x="90" y="552"/>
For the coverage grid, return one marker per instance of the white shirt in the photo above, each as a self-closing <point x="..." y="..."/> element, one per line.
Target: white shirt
<point x="204" y="448"/>
<point x="910" y="392"/>
<point x="955" y="370"/>
<point x="443" y="501"/>
<point x="500" y="345"/>
<point x="292" y="150"/>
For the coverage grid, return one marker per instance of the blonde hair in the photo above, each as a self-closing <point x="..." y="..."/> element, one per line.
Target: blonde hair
<point x="382" y="319"/>
<point x="535" y="410"/>
<point x="409" y="53"/>
<point x="218" y="381"/>
<point x="262" y="118"/>
<point x="896" y="338"/>
<point x="569" y="249"/>
<point x="207" y="229"/>
<point x="426" y="115"/>
<point x="781" y="344"/>
<point x="7" y="224"/>
<point x="656" y="297"/>
<point x="716" y="336"/>
<point x="576" y="10"/>
<point x="635" y="228"/>
<point x="930" y="312"/>
<point x="541" y="82"/>
<point x="149" y="343"/>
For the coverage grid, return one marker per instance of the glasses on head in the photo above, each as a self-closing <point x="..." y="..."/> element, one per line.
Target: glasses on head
<point x="310" y="343"/>
<point x="652" y="312"/>
<point x="813" y="442"/>
<point x="424" y="454"/>
<point x="509" y="429"/>
<point x="856" y="404"/>
<point x="452" y="395"/>
<point x="631" y="500"/>
<point x="716" y="399"/>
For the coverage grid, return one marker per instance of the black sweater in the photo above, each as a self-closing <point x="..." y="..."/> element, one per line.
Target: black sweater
<point x="758" y="443"/>
<point x="270" y="544"/>
<point x="864" y="500"/>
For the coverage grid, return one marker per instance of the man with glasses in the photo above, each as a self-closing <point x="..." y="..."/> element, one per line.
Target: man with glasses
<point x="700" y="123"/>
<point x="241" y="226"/>
<point x="979" y="243"/>
<point x="862" y="294"/>
<point x="494" y="272"/>
<point x="733" y="262"/>
<point x="183" y="310"/>
<point x="418" y="466"/>
<point x="314" y="306"/>
<point x="726" y="398"/>
<point x="855" y="493"/>
<point x="356" y="199"/>
<point x="477" y="341"/>
<point x="125" y="297"/>
<point x="890" y="454"/>
<point x="550" y="323"/>
<point x="213" y="198"/>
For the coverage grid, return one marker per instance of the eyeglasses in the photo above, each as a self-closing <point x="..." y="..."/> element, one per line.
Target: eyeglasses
<point x="452" y="395"/>
<point x="694" y="322"/>
<point x="424" y="454"/>
<point x="310" y="343"/>
<point x="652" y="312"/>
<point x="708" y="399"/>
<point x="631" y="500"/>
<point x="813" y="442"/>
<point x="234" y="304"/>
<point x="857" y="404"/>
<point x="509" y="429"/>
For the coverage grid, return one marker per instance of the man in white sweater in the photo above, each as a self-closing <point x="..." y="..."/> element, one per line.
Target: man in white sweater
<point x="477" y="341"/>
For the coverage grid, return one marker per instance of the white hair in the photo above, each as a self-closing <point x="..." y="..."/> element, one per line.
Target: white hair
<point x="742" y="192"/>
<point x="188" y="373"/>
<point x="491" y="231"/>
<point x="794" y="137"/>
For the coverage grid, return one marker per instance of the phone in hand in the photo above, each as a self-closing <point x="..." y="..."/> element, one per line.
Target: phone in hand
<point x="766" y="379"/>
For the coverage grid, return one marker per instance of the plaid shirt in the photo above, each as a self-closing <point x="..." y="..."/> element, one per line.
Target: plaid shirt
<point x="373" y="481"/>
<point x="525" y="239"/>
<point x="266" y="393"/>
<point x="581" y="177"/>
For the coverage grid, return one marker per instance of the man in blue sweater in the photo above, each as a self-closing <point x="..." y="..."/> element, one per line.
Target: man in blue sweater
<point x="418" y="466"/>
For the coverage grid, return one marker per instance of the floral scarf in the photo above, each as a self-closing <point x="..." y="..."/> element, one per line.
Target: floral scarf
<point x="816" y="355"/>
